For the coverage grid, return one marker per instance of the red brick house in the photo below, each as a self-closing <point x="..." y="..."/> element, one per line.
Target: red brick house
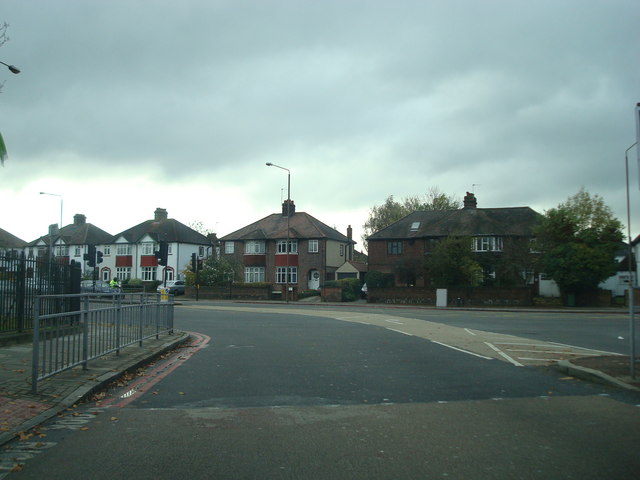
<point x="401" y="248"/>
<point x="289" y="248"/>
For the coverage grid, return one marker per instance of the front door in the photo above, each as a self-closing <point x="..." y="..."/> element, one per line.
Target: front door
<point x="314" y="280"/>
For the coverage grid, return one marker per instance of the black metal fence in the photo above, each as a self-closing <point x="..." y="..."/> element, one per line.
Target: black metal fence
<point x="22" y="279"/>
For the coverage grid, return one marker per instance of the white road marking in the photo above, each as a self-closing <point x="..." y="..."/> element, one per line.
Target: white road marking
<point x="500" y="352"/>
<point x="399" y="331"/>
<point x="469" y="332"/>
<point x="461" y="350"/>
<point x="391" y="320"/>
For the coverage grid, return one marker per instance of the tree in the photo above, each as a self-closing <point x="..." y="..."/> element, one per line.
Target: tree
<point x="214" y="272"/>
<point x="579" y="239"/>
<point x="381" y="216"/>
<point x="451" y="264"/>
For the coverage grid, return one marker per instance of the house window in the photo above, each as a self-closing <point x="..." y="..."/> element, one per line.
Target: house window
<point x="106" y="250"/>
<point x="148" y="274"/>
<point x="254" y="247"/>
<point x="229" y="247"/>
<point x="415" y="226"/>
<point x="282" y="246"/>
<point x="341" y="250"/>
<point x="78" y="252"/>
<point x="313" y="246"/>
<point x="148" y="248"/>
<point x="394" y="247"/>
<point x="281" y="273"/>
<point x="62" y="251"/>
<point x="123" y="273"/>
<point x="201" y="251"/>
<point x="254" y="274"/>
<point x="487" y="244"/>
<point x="123" y="249"/>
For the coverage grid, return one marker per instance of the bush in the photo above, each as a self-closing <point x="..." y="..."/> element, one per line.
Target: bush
<point x="376" y="279"/>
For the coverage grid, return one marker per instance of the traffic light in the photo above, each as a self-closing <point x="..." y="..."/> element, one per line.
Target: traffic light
<point x="90" y="256"/>
<point x="98" y="256"/>
<point x="194" y="262"/>
<point x="162" y="254"/>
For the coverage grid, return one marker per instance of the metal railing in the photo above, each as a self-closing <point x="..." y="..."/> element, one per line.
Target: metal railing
<point x="92" y="325"/>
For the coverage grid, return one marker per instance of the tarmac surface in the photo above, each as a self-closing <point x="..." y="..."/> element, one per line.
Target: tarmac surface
<point x="22" y="410"/>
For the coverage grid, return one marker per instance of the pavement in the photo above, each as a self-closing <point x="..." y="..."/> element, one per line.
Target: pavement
<point x="21" y="410"/>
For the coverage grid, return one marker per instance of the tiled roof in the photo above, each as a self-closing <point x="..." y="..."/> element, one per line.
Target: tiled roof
<point x="513" y="221"/>
<point x="8" y="240"/>
<point x="77" y="234"/>
<point x="301" y="226"/>
<point x="166" y="230"/>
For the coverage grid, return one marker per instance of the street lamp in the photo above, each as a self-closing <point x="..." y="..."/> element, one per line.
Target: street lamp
<point x="60" y="226"/>
<point x="11" y="68"/>
<point x="632" y="327"/>
<point x="288" y="247"/>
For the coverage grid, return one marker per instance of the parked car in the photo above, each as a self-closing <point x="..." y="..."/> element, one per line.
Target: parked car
<point x="174" y="287"/>
<point x="87" y="286"/>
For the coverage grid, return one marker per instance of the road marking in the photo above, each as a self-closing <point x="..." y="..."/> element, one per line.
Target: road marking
<point x="391" y="320"/>
<point x="469" y="332"/>
<point x="399" y="331"/>
<point x="500" y="352"/>
<point x="461" y="350"/>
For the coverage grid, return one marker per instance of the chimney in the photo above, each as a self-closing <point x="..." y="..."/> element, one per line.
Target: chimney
<point x="160" y="214"/>
<point x="470" y="201"/>
<point x="79" y="219"/>
<point x="288" y="208"/>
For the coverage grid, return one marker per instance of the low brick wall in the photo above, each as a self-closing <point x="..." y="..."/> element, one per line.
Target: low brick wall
<point x="331" y="294"/>
<point x="230" y="293"/>
<point x="480" y="296"/>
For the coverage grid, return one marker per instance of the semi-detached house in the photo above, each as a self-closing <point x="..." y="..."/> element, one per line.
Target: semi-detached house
<point x="289" y="248"/>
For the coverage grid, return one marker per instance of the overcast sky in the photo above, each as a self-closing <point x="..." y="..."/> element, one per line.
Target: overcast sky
<point x="125" y="106"/>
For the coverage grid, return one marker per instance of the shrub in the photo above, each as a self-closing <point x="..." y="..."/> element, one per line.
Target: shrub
<point x="376" y="279"/>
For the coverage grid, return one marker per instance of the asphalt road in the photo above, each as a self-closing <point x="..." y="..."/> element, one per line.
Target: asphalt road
<point x="263" y="394"/>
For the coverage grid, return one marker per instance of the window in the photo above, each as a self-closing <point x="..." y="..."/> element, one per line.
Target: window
<point x="394" y="247"/>
<point x="62" y="251"/>
<point x="77" y="252"/>
<point x="313" y="246"/>
<point x="281" y="275"/>
<point x="254" y="274"/>
<point x="123" y="249"/>
<point x="282" y="246"/>
<point x="106" y="250"/>
<point x="229" y="247"/>
<point x="123" y="273"/>
<point x="254" y="247"/>
<point x="341" y="250"/>
<point x="147" y="248"/>
<point x="148" y="274"/>
<point x="170" y="249"/>
<point x="201" y="251"/>
<point x="415" y="226"/>
<point x="487" y="244"/>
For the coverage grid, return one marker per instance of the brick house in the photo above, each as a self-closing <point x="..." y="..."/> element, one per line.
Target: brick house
<point x="315" y="251"/>
<point x="401" y="248"/>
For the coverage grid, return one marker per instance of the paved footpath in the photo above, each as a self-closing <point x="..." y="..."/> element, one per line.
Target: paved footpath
<point x="21" y="410"/>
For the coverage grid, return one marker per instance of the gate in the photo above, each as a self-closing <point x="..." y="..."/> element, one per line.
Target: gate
<point x="22" y="279"/>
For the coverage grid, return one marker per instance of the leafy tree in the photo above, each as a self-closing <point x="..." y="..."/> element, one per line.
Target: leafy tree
<point x="451" y="264"/>
<point x="215" y="272"/>
<point x="579" y="239"/>
<point x="381" y="216"/>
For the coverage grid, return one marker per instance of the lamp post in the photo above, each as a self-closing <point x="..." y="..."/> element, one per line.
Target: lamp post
<point x="288" y="247"/>
<point x="60" y="225"/>
<point x="632" y="327"/>
<point x="11" y="68"/>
